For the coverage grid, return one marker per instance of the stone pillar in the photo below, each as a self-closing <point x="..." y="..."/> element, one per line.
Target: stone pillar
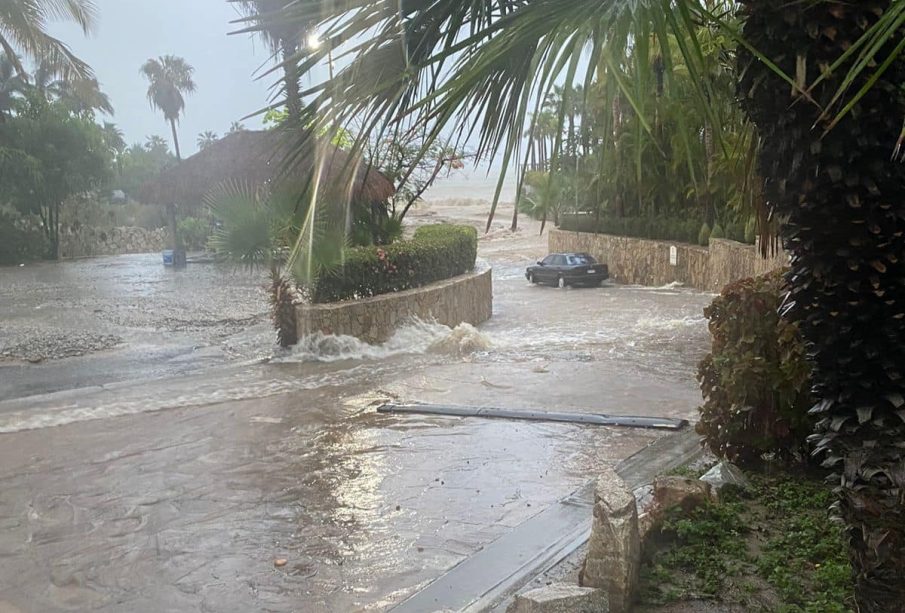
<point x="614" y="550"/>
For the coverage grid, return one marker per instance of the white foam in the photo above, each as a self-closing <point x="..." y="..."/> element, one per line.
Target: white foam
<point x="667" y="323"/>
<point x="417" y="337"/>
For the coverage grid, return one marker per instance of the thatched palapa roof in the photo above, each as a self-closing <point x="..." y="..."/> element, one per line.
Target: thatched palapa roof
<point x="257" y="158"/>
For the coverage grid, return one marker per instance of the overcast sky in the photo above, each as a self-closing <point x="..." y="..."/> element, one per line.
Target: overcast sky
<point x="131" y="31"/>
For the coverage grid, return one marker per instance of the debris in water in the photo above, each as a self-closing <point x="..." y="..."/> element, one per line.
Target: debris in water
<point x="487" y="383"/>
<point x="280" y="562"/>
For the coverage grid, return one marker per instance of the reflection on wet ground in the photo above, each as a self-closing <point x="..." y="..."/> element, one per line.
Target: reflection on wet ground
<point x="191" y="514"/>
<point x="178" y="494"/>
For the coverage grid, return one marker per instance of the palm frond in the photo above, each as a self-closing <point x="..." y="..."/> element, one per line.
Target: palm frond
<point x="23" y="29"/>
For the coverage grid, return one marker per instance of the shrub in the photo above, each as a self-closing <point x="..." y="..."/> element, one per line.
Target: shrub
<point x="435" y="253"/>
<point x="21" y="239"/>
<point x="194" y="232"/>
<point x="704" y="235"/>
<point x="717" y="231"/>
<point x="736" y="232"/>
<point x="655" y="228"/>
<point x="756" y="381"/>
<point x="751" y="231"/>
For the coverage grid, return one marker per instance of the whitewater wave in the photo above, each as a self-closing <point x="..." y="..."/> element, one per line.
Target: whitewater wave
<point x="667" y="324"/>
<point x="418" y="337"/>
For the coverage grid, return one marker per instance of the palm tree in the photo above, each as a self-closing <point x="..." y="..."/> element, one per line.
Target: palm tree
<point x="23" y="30"/>
<point x="541" y="196"/>
<point x="84" y="96"/>
<point x="114" y="139"/>
<point x="169" y="78"/>
<point x="12" y="86"/>
<point x="285" y="39"/>
<point x="81" y="95"/>
<point x="822" y="81"/>
<point x="236" y="127"/>
<point x="206" y="139"/>
<point x="157" y="144"/>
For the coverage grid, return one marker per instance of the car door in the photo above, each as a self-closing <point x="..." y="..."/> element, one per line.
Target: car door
<point x="548" y="271"/>
<point x="557" y="267"/>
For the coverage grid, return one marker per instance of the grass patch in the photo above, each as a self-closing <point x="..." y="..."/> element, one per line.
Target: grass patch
<point x="774" y="549"/>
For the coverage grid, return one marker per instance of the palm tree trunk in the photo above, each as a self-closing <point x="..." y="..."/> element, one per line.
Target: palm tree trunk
<point x="175" y="139"/>
<point x="514" y="225"/>
<point x="291" y="78"/>
<point x="843" y="202"/>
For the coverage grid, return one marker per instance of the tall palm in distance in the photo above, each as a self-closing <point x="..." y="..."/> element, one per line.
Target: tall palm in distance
<point x="169" y="80"/>
<point x="23" y="33"/>
<point x="115" y="141"/>
<point x="157" y="144"/>
<point x="820" y="79"/>
<point x="206" y="139"/>
<point x="12" y="86"/>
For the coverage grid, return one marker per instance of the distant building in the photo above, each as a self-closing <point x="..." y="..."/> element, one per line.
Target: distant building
<point x="258" y="159"/>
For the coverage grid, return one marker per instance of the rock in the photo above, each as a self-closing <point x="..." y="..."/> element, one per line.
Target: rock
<point x="653" y="501"/>
<point x="560" y="598"/>
<point x="645" y="503"/>
<point x="682" y="492"/>
<point x="279" y="563"/>
<point x="725" y="475"/>
<point x="614" y="550"/>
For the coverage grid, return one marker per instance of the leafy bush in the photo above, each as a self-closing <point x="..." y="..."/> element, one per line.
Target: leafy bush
<point x="717" y="231"/>
<point x="756" y="381"/>
<point x="20" y="239"/>
<point x="735" y="232"/>
<point x="654" y="228"/>
<point x="435" y="253"/>
<point x="751" y="231"/>
<point x="194" y="232"/>
<point x="704" y="235"/>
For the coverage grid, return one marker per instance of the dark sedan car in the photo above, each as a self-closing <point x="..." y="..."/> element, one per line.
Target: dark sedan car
<point x="562" y="269"/>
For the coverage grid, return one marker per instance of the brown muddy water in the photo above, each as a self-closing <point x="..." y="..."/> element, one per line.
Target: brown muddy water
<point x="184" y="466"/>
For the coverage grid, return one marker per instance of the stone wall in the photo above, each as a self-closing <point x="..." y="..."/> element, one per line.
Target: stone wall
<point x="467" y="298"/>
<point x="639" y="261"/>
<point x="89" y="241"/>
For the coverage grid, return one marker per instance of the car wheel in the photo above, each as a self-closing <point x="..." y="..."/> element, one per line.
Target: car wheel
<point x="531" y="278"/>
<point x="562" y="282"/>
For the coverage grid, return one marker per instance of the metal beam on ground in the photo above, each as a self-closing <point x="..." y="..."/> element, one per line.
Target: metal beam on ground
<point x="593" y="419"/>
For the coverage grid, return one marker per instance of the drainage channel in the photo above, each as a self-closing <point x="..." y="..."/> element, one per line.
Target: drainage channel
<point x="486" y="579"/>
<point x="594" y="419"/>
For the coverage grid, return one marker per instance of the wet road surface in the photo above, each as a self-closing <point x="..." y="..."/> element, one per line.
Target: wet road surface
<point x="178" y="494"/>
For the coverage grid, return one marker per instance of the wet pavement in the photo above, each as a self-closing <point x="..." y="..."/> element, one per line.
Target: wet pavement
<point x="129" y="317"/>
<point x="178" y="493"/>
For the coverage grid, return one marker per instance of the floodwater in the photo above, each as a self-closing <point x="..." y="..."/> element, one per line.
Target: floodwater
<point x="185" y="466"/>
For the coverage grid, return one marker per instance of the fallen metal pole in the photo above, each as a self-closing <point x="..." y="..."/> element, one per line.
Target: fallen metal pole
<point x="594" y="419"/>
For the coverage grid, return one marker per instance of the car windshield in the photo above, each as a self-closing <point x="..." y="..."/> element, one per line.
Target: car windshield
<point x="580" y="260"/>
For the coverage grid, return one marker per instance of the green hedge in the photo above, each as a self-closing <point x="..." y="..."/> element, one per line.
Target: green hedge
<point x="756" y="381"/>
<point x="680" y="230"/>
<point x="435" y="253"/>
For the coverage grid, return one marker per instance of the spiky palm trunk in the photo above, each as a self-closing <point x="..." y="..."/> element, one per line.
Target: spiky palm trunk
<point x="843" y="201"/>
<point x="291" y="78"/>
<point x="282" y="309"/>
